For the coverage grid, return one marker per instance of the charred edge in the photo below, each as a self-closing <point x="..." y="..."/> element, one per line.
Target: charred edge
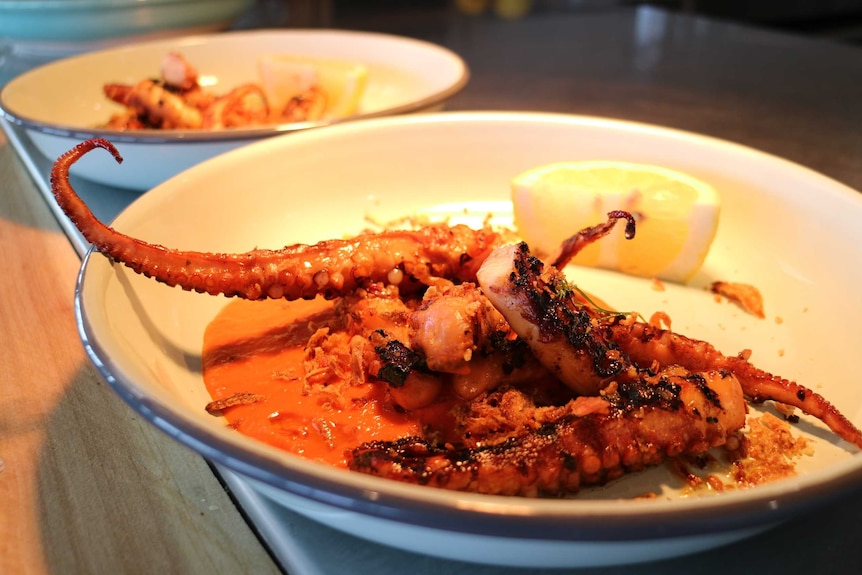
<point x="516" y="351"/>
<point x="398" y="361"/>
<point x="408" y="457"/>
<point x="411" y="456"/>
<point x="416" y="460"/>
<point x="633" y="395"/>
<point x="561" y="315"/>
<point x="709" y="394"/>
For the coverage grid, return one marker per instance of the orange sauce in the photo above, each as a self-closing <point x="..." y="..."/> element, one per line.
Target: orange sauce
<point x="257" y="347"/>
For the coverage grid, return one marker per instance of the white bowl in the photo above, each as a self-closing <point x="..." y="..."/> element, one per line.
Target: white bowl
<point x="60" y="104"/>
<point x="146" y="338"/>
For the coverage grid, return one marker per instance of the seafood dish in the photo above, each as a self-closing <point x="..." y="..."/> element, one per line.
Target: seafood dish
<point x="516" y="381"/>
<point x="289" y="91"/>
<point x="363" y="75"/>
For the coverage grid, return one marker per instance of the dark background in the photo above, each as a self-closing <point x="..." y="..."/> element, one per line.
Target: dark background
<point x="840" y="20"/>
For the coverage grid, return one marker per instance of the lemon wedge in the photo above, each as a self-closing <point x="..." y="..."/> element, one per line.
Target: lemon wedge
<point x="284" y="77"/>
<point x="677" y="215"/>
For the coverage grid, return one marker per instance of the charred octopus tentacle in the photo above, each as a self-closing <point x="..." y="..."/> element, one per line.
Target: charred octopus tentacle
<point x="330" y="268"/>
<point x="587" y="442"/>
<point x="537" y="302"/>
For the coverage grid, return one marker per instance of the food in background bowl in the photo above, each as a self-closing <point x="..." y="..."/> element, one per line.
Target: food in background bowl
<point x="341" y="83"/>
<point x="62" y="103"/>
<point x="291" y="89"/>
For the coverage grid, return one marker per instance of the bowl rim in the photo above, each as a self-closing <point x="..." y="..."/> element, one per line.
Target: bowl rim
<point x="234" y="135"/>
<point x="76" y="5"/>
<point x="513" y="517"/>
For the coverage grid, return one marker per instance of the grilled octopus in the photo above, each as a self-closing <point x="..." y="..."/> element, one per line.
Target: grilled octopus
<point x="646" y="394"/>
<point x="177" y="101"/>
<point x="637" y="422"/>
<point x="333" y="268"/>
<point x="640" y="394"/>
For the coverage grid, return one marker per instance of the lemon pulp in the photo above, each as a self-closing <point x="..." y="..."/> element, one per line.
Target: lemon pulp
<point x="677" y="215"/>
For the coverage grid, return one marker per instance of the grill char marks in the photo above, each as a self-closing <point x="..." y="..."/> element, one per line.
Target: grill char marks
<point x="589" y="441"/>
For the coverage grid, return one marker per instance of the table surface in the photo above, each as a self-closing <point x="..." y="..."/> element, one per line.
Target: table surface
<point x="87" y="486"/>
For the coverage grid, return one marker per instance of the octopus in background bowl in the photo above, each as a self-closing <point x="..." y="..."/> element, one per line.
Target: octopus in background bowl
<point x="290" y="90"/>
<point x="398" y="76"/>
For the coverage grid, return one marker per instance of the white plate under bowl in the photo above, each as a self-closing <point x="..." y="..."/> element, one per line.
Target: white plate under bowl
<point x="62" y="103"/>
<point x="146" y="338"/>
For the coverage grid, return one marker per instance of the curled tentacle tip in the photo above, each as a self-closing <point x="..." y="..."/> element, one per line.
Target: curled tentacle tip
<point x="101" y="143"/>
<point x="631" y="225"/>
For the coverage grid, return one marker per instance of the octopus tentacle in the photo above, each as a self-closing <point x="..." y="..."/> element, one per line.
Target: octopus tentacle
<point x="586" y="348"/>
<point x="644" y="344"/>
<point x="161" y="107"/>
<point x="588" y="442"/>
<point x="562" y="332"/>
<point x="243" y="106"/>
<point x="573" y="246"/>
<point x="410" y="258"/>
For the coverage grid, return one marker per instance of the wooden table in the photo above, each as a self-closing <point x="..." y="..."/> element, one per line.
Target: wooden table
<point x="86" y="486"/>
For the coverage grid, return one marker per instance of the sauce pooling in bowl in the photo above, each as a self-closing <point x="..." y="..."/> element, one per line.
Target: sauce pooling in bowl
<point x="255" y="352"/>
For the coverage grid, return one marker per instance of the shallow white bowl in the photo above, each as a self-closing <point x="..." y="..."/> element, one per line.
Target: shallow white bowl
<point x="146" y="338"/>
<point x="61" y="103"/>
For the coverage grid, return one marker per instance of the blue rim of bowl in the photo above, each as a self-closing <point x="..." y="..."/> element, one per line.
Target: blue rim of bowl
<point x="476" y="514"/>
<point x="232" y="135"/>
<point x="38" y="5"/>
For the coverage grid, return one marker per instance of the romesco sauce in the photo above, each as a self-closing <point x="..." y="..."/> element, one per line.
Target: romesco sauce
<point x="257" y="347"/>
